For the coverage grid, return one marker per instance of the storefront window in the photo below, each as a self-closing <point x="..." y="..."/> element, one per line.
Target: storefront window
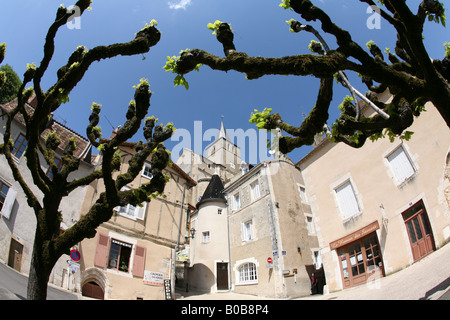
<point x="359" y="260"/>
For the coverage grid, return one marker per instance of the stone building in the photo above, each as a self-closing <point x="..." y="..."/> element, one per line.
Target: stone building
<point x="258" y="215"/>
<point x="18" y="221"/>
<point x="133" y="253"/>
<point x="380" y="208"/>
<point x="273" y="243"/>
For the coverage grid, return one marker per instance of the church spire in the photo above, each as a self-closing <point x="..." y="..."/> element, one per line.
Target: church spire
<point x="222" y="131"/>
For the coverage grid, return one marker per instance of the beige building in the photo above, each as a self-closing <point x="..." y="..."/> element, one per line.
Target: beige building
<point x="273" y="243"/>
<point x="380" y="208"/>
<point x="18" y="220"/>
<point x="259" y="215"/>
<point x="132" y="254"/>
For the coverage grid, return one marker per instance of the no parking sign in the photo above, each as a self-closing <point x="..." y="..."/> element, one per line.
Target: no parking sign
<point x="75" y="255"/>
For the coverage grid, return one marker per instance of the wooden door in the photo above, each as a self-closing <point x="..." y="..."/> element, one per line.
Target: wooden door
<point x="419" y="231"/>
<point x="222" y="276"/>
<point x="93" y="290"/>
<point x="15" y="255"/>
<point x="361" y="261"/>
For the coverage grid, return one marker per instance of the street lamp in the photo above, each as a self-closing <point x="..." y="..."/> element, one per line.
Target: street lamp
<point x="192" y="233"/>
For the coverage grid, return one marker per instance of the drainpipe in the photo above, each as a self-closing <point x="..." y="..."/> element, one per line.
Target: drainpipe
<point x="230" y="283"/>
<point x="172" y="282"/>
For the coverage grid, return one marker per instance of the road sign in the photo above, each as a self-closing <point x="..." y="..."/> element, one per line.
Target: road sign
<point x="75" y="255"/>
<point x="269" y="260"/>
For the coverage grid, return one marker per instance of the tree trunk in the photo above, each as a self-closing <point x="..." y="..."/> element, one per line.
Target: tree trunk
<point x="39" y="272"/>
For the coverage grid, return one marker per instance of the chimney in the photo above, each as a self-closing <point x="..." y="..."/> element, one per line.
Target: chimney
<point x="113" y="134"/>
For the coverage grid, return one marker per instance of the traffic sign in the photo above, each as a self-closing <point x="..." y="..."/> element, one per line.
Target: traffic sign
<point x="75" y="255"/>
<point x="269" y="260"/>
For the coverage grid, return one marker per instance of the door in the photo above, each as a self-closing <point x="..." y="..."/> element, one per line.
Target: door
<point x="222" y="276"/>
<point x="93" y="290"/>
<point x="361" y="261"/>
<point x="15" y="255"/>
<point x="419" y="231"/>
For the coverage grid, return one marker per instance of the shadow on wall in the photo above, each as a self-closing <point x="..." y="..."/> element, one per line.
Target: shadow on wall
<point x="201" y="278"/>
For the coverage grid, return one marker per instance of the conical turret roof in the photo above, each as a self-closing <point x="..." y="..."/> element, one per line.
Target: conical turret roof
<point x="213" y="191"/>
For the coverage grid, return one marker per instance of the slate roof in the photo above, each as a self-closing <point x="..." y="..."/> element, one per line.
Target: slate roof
<point x="213" y="192"/>
<point x="64" y="133"/>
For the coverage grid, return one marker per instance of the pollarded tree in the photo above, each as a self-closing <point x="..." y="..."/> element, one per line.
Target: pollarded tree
<point x="8" y="91"/>
<point x="410" y="75"/>
<point x="49" y="244"/>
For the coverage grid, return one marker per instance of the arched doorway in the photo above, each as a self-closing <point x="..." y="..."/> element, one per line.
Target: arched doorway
<point x="94" y="283"/>
<point x="93" y="290"/>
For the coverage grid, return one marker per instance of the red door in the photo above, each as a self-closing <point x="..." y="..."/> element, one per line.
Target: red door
<point x="419" y="231"/>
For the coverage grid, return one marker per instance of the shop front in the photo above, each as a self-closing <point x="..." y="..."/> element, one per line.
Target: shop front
<point x="359" y="256"/>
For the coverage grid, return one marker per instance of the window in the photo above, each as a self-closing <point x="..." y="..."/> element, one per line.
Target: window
<point x="401" y="165"/>
<point x="146" y="171"/>
<point x="302" y="191"/>
<point x="348" y="204"/>
<point x="20" y="146"/>
<point x="128" y="210"/>
<point x="255" y="190"/>
<point x="3" y="192"/>
<point x="236" y="202"/>
<point x="206" y="237"/>
<point x="7" y="199"/>
<point x="119" y="255"/>
<point x="131" y="211"/>
<point x="247" y="231"/>
<point x="310" y="225"/>
<point x="317" y="258"/>
<point x="247" y="273"/>
<point x="58" y="163"/>
<point x="219" y="211"/>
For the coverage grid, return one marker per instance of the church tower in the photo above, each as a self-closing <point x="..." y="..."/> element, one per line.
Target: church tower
<point x="221" y="157"/>
<point x="224" y="152"/>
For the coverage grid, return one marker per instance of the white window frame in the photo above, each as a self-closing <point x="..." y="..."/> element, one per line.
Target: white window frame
<point x="236" y="201"/>
<point x="352" y="203"/>
<point x="317" y="258"/>
<point x="14" y="143"/>
<point x="247" y="231"/>
<point x="255" y="190"/>
<point x="247" y="273"/>
<point x="302" y="192"/>
<point x="8" y="203"/>
<point x="206" y="237"/>
<point x="310" y="224"/>
<point x="147" y="166"/>
<point x="402" y="166"/>
<point x="138" y="212"/>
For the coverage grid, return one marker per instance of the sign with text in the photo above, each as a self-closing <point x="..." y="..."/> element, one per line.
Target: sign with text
<point x="355" y="235"/>
<point x="168" y="289"/>
<point x="153" y="278"/>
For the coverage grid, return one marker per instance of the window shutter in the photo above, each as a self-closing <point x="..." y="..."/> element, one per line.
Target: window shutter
<point x="401" y="165"/>
<point x="101" y="254"/>
<point x="9" y="203"/>
<point x="139" y="262"/>
<point x="347" y="200"/>
<point x="140" y="211"/>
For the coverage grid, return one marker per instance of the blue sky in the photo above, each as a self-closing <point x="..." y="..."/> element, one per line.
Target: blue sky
<point x="260" y="30"/>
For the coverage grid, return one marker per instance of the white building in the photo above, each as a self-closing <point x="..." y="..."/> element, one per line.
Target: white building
<point x="18" y="221"/>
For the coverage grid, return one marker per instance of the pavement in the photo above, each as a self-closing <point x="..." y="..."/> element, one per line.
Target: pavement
<point x="427" y="279"/>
